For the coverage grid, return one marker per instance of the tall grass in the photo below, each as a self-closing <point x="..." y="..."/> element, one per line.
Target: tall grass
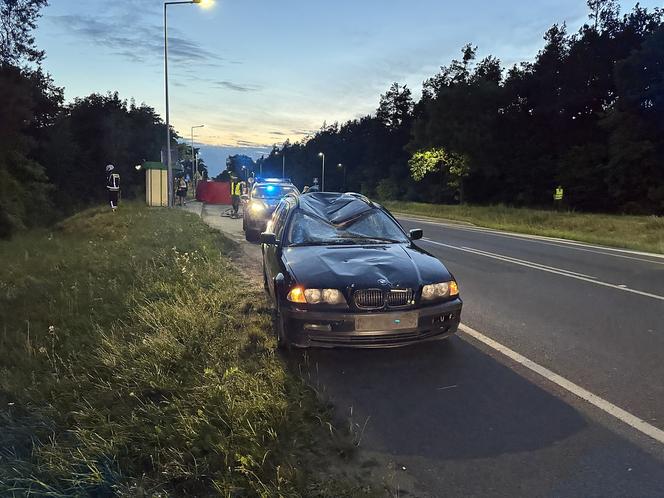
<point x="644" y="233"/>
<point x="136" y="360"/>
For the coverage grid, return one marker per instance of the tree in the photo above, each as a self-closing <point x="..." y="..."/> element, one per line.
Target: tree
<point x="603" y="13"/>
<point x="395" y="107"/>
<point x="18" y="20"/>
<point x="452" y="167"/>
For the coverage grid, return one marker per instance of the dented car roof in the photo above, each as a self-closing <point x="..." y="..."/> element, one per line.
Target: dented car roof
<point x="335" y="208"/>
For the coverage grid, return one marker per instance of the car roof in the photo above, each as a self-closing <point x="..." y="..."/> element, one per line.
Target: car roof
<point x="335" y="207"/>
<point x="278" y="184"/>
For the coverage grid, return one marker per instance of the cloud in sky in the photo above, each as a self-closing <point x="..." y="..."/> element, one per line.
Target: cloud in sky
<point x="142" y="45"/>
<point x="236" y="87"/>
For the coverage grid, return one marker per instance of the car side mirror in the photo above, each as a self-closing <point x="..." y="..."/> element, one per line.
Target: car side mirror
<point x="416" y="234"/>
<point x="268" y="238"/>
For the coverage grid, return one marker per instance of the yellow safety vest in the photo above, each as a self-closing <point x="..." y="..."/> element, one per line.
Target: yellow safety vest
<point x="236" y="188"/>
<point x="558" y="194"/>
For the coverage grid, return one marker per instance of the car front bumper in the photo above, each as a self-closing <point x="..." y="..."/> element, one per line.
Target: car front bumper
<point x="306" y="328"/>
<point x="257" y="222"/>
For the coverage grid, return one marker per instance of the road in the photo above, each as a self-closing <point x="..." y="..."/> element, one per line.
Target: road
<point x="463" y="419"/>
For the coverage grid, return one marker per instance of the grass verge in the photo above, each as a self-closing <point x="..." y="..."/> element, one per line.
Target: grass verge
<point x="642" y="233"/>
<point x="137" y="361"/>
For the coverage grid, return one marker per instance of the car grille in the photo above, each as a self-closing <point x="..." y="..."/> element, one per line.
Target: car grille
<point x="369" y="298"/>
<point x="372" y="299"/>
<point x="399" y="297"/>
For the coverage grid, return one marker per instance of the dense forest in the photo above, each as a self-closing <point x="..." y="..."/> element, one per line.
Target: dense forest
<point x="587" y="114"/>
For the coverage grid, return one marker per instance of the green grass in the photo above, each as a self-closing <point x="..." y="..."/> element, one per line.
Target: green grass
<point x="643" y="233"/>
<point x="137" y="361"/>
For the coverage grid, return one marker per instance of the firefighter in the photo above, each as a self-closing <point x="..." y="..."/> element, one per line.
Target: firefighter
<point x="113" y="186"/>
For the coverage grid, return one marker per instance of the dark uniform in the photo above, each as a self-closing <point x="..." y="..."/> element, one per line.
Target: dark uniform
<point x="113" y="187"/>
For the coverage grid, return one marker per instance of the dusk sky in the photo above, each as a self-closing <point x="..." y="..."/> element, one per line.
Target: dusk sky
<point x="257" y="72"/>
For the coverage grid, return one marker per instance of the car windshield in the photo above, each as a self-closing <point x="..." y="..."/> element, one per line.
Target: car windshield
<point x="371" y="227"/>
<point x="272" y="191"/>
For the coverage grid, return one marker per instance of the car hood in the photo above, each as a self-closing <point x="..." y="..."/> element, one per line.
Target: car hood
<point x="269" y="203"/>
<point x="369" y="266"/>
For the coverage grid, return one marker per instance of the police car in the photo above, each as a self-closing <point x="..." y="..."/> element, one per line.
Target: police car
<point x="264" y="196"/>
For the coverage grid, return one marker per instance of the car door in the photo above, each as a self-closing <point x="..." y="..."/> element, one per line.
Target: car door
<point x="272" y="253"/>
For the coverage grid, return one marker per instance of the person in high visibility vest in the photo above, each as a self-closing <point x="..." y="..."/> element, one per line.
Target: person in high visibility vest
<point x="558" y="197"/>
<point x="113" y="186"/>
<point x="236" y="192"/>
<point x="558" y="194"/>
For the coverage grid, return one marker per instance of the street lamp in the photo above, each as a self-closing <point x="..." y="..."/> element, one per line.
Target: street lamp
<point x="344" y="168"/>
<point x="194" y="160"/>
<point x="322" y="186"/>
<point x="283" y="164"/>
<point x="204" y="3"/>
<point x="283" y="160"/>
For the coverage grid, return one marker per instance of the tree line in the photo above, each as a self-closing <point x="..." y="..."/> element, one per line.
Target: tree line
<point x="586" y="114"/>
<point x="53" y="154"/>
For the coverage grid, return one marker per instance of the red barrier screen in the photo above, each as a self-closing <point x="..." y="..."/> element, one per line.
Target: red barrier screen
<point x="214" y="192"/>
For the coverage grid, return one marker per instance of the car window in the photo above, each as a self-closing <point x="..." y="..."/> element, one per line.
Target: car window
<point x="372" y="226"/>
<point x="278" y="220"/>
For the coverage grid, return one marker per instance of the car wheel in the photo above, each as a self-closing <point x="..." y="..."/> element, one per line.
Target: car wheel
<point x="281" y="328"/>
<point x="244" y="224"/>
<point x="250" y="235"/>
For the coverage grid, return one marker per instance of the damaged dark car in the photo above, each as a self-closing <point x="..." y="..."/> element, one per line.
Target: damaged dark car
<point x="341" y="271"/>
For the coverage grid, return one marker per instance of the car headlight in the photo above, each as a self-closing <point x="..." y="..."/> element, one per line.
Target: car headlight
<point x="316" y="296"/>
<point x="440" y="290"/>
<point x="256" y="207"/>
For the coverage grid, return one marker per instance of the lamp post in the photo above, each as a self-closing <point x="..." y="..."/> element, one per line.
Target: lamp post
<point x="322" y="177"/>
<point x="169" y="166"/>
<point x="283" y="162"/>
<point x="194" y="159"/>
<point x="344" y="169"/>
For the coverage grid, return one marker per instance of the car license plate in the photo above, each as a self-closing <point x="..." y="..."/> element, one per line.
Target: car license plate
<point x="392" y="321"/>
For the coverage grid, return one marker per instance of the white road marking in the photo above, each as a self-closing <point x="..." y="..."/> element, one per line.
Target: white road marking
<point x="537" y="266"/>
<point x="551" y="241"/>
<point x="529" y="263"/>
<point x="607" y="407"/>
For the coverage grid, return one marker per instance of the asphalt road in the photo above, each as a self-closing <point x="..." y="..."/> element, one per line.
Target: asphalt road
<point x="463" y="420"/>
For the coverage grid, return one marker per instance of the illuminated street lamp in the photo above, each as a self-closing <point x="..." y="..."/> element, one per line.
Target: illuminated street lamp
<point x="344" y="168"/>
<point x="322" y="185"/>
<point x="203" y="3"/>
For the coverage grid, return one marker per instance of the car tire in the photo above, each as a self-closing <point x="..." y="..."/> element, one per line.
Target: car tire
<point x="244" y="224"/>
<point x="251" y="235"/>
<point x="280" y="329"/>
